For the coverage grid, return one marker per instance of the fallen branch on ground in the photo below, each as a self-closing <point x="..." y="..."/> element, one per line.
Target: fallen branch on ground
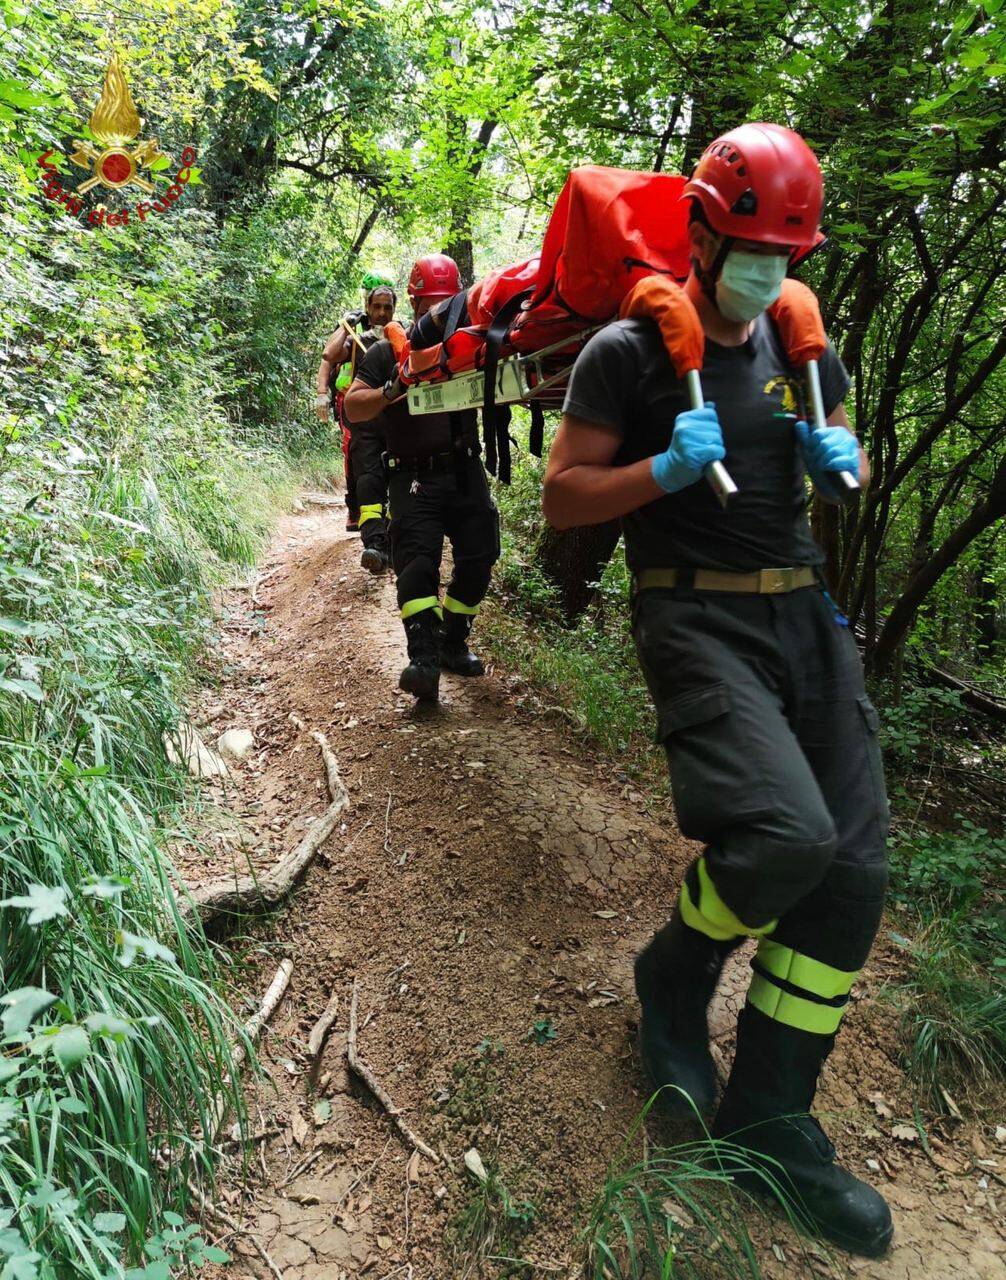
<point x="359" y="1068"/>
<point x="257" y="893"/>
<point x="274" y="994"/>
<point x="319" y="1031"/>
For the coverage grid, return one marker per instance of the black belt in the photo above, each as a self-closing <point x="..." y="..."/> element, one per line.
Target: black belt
<point x="431" y="461"/>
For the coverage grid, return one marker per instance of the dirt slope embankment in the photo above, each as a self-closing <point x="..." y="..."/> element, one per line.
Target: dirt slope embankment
<point x="492" y="876"/>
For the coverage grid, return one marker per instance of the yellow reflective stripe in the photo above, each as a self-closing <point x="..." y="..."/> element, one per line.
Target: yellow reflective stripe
<point x="805" y="1015"/>
<point x="455" y="606"/>
<point x="371" y="511"/>
<point x="711" y="915"/>
<point x="417" y="606"/>
<point x="802" y="971"/>
<point x="694" y="918"/>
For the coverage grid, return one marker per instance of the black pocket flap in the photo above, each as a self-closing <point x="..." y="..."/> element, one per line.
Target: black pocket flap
<point x="869" y="713"/>
<point x="695" y="706"/>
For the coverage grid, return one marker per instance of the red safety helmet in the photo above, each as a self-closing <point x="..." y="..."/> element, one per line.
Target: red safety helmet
<point x="761" y="182"/>
<point x="435" y="276"/>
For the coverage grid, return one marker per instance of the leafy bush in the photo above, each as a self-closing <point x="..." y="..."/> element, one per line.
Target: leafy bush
<point x="123" y="497"/>
<point x="920" y="717"/>
<point x="959" y="879"/>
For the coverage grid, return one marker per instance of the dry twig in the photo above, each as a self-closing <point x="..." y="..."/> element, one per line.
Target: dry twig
<point x="232" y="1225"/>
<point x="360" y="1069"/>
<point x="319" y="1031"/>
<point x="274" y="994"/>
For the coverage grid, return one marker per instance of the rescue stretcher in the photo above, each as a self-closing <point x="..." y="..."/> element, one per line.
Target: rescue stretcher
<point x="616" y="247"/>
<point x="537" y="377"/>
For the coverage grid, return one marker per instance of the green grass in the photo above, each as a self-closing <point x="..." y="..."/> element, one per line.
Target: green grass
<point x="953" y="1024"/>
<point x="676" y="1213"/>
<point x="587" y="673"/>
<point x="109" y="1074"/>
<point x="488" y="1230"/>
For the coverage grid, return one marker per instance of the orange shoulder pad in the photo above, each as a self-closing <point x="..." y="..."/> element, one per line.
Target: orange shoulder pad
<point x="659" y="299"/>
<point x="798" y="318"/>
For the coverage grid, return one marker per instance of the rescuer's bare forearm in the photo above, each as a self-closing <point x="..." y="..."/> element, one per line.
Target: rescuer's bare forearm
<point x="364" y="404"/>
<point x="588" y="493"/>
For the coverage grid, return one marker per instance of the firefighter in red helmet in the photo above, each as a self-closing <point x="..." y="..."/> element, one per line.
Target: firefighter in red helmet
<point x="437" y="488"/>
<point x="770" y="737"/>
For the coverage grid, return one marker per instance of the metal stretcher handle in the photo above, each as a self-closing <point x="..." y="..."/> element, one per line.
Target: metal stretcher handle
<point x="716" y="473"/>
<point x="821" y="418"/>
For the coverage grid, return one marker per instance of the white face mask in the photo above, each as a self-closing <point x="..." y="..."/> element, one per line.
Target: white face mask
<point x="378" y="329"/>
<point x="749" y="282"/>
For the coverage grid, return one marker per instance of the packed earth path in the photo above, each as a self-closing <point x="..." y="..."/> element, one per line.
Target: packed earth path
<point x="487" y="889"/>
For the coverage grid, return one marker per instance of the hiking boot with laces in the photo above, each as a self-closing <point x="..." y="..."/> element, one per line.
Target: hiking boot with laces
<point x="421" y="677"/>
<point x="454" y="652"/>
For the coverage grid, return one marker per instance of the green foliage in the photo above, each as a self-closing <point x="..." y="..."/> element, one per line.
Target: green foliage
<point x="490" y="1227"/>
<point x="921" y="717"/>
<point x="543" y="1031"/>
<point x="125" y="494"/>
<point x="959" y="879"/>
<point x="589" y="672"/>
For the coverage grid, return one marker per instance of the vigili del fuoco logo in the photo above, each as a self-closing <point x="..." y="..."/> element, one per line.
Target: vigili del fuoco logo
<point x="116" y="124"/>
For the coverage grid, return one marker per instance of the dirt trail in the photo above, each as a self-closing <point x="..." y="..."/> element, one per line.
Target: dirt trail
<point x="492" y="873"/>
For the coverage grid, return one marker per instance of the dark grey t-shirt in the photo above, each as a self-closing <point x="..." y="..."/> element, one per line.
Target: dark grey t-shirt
<point x="624" y="379"/>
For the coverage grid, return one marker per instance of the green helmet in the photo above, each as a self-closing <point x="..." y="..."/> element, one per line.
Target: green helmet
<point x="374" y="279"/>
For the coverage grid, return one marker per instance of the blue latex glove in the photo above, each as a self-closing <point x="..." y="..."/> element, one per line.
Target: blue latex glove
<point x="828" y="449"/>
<point x="697" y="440"/>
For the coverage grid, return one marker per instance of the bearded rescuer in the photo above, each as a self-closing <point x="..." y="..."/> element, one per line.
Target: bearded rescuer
<point x="366" y="444"/>
<point x="770" y="737"/>
<point x="437" y="488"/>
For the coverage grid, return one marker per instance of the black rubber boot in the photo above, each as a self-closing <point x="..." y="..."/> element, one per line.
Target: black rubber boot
<point x="455" y="654"/>
<point x="422" y="676"/>
<point x="764" y="1110"/>
<point x="376" y="555"/>
<point x="676" y="975"/>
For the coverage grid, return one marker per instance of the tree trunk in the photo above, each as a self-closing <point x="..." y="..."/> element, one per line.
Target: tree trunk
<point x="984" y="513"/>
<point x="826" y="528"/>
<point x="468" y="154"/>
<point x="573" y="560"/>
<point x="361" y="236"/>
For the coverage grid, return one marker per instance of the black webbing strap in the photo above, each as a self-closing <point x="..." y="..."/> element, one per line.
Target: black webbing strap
<point x="503" y="416"/>
<point x="496" y="431"/>
<point x="536" y="437"/>
<point x="455" y="315"/>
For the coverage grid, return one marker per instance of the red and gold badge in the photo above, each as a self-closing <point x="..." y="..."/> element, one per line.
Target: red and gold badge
<point x="115" y="122"/>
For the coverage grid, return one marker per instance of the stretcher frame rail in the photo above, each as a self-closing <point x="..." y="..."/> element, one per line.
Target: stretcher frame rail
<point x="520" y="378"/>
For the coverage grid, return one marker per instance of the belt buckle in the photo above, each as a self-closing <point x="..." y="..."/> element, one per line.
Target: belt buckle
<point x="775" y="581"/>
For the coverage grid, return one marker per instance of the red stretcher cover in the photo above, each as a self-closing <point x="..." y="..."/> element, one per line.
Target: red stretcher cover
<point x="609" y="229"/>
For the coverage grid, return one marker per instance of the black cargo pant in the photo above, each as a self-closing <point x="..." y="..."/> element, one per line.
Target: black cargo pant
<point x="451" y="501"/>
<point x="366" y="449"/>
<point x="775" y="766"/>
